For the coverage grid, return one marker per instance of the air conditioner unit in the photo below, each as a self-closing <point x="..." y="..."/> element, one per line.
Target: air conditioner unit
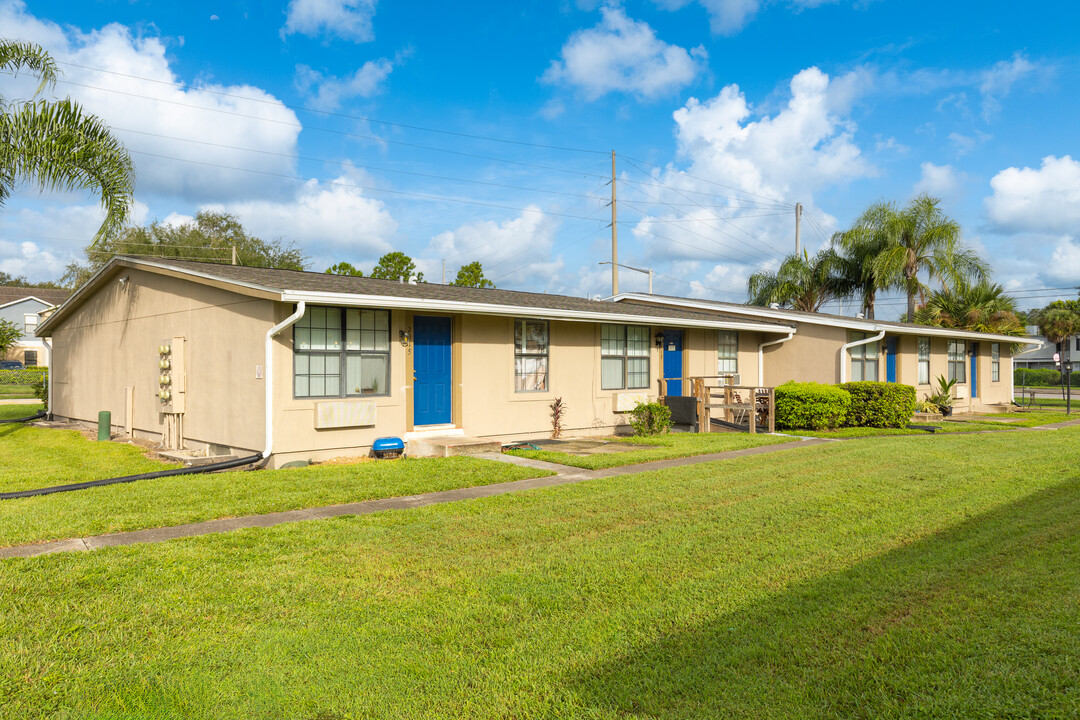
<point x="961" y="392"/>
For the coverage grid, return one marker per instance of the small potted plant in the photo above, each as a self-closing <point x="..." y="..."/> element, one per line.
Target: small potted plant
<point x="943" y="397"/>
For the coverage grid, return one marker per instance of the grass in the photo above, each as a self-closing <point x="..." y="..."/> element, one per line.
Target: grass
<point x="951" y="426"/>
<point x="672" y="445"/>
<point x="35" y="457"/>
<point x="16" y="391"/>
<point x="852" y="580"/>
<point x="11" y="412"/>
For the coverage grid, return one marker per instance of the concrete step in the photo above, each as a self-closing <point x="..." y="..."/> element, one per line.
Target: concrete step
<point x="449" y="446"/>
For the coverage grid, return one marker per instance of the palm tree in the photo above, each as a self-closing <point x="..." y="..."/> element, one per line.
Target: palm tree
<point x="57" y="146"/>
<point x="981" y="306"/>
<point x="859" y="247"/>
<point x="1058" y="322"/>
<point x="801" y="282"/>
<point x="920" y="238"/>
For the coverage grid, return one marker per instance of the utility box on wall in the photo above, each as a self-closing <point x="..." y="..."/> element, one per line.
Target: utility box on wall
<point x="172" y="377"/>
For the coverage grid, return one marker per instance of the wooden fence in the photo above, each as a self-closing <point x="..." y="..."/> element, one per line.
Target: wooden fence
<point x="746" y="407"/>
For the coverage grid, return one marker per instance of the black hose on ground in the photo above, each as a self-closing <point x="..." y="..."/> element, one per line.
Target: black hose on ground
<point x="223" y="465"/>
<point x="41" y="414"/>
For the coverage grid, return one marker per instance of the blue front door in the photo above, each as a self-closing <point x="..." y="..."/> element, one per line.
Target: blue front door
<point x="673" y="361"/>
<point x="890" y="359"/>
<point x="974" y="370"/>
<point x="431" y="371"/>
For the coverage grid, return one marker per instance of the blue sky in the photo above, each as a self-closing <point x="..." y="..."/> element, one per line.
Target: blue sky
<point x="483" y="130"/>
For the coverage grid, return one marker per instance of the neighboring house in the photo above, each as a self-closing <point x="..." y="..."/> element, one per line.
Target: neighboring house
<point x="23" y="307"/>
<point x="834" y="348"/>
<point x="311" y="365"/>
<point x="1041" y="356"/>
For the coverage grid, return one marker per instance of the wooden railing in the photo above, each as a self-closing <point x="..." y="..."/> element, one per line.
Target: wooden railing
<point x="751" y="405"/>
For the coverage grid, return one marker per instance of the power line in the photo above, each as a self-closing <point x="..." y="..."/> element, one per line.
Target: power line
<point x="328" y="113"/>
<point x="712" y="182"/>
<point x="750" y="204"/>
<point x="729" y="222"/>
<point x="424" y="196"/>
<point x="749" y="258"/>
<point x="344" y="163"/>
<point x="343" y="133"/>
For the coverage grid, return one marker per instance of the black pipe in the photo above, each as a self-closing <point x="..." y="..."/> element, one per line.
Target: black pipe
<point x="41" y="414"/>
<point x="223" y="465"/>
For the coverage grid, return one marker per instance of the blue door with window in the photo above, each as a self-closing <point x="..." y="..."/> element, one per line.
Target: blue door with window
<point x="890" y="359"/>
<point x="673" y="361"/>
<point x="974" y="370"/>
<point x="432" y="390"/>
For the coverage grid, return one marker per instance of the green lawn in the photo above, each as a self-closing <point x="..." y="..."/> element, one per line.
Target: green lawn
<point x="893" y="579"/>
<point x="951" y="426"/>
<point x="10" y="412"/>
<point x="35" y="457"/>
<point x="670" y="446"/>
<point x="16" y="391"/>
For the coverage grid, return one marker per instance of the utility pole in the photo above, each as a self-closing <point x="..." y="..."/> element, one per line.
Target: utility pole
<point x="614" y="234"/>
<point x="798" y="228"/>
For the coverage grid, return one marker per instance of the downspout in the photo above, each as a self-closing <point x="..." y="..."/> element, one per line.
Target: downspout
<point x="761" y="356"/>
<point x="49" y="378"/>
<point x="287" y="322"/>
<point x="848" y="346"/>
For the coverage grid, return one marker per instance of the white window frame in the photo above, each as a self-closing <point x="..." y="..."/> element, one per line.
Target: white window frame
<point x="625" y="357"/>
<point x="30" y="322"/>
<point x="957" y="347"/>
<point x="523" y="353"/>
<point x="727" y="352"/>
<point x="995" y="362"/>
<point x="343" y="353"/>
<point x="862" y="357"/>
<point x="924" y="361"/>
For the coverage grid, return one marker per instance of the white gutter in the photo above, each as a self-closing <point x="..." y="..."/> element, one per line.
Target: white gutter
<point x="269" y="375"/>
<point x="48" y="400"/>
<point x="844" y="348"/>
<point x="761" y="355"/>
<point x="475" y="308"/>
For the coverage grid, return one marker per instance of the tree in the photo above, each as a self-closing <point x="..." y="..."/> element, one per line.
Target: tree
<point x="981" y="306"/>
<point x="858" y="248"/>
<point x="919" y="239"/>
<point x="344" y="268"/>
<point x="10" y="333"/>
<point x="1059" y="321"/>
<point x="210" y="236"/>
<point x="396" y="266"/>
<point x="21" y="282"/>
<point x="58" y="146"/>
<point x="472" y="275"/>
<point x="801" y="282"/>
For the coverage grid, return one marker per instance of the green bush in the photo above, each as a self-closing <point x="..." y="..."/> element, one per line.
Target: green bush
<point x="811" y="405"/>
<point x="41" y="389"/>
<point x="879" y="404"/>
<point x="650" y="418"/>
<point x="20" y="377"/>
<point x="1038" y="377"/>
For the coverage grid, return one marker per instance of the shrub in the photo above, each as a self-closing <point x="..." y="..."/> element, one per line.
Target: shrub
<point x="650" y="418"/>
<point x="41" y="390"/>
<point x="20" y="377"/>
<point x="880" y="404"/>
<point x="811" y="405"/>
<point x="1039" y="377"/>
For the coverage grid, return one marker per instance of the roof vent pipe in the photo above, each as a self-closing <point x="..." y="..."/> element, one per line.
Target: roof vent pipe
<point x="860" y="315"/>
<point x="774" y="306"/>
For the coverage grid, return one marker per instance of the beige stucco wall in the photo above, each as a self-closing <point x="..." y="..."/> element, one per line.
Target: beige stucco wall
<point x="111" y="342"/>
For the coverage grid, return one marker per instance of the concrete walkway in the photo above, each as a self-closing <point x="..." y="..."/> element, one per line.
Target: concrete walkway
<point x="563" y="476"/>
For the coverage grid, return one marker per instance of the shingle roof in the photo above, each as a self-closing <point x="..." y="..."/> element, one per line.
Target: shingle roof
<point x="298" y="281"/>
<point x="10" y="294"/>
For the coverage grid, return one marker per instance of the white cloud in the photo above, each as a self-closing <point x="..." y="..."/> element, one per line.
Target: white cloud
<point x="624" y="55"/>
<point x="938" y="180"/>
<point x="323" y="217"/>
<point x="755" y="169"/>
<point x="727" y="17"/>
<point x="998" y="82"/>
<point x="1064" y="263"/>
<point x="147" y="114"/>
<point x="346" y="19"/>
<point x="1045" y="200"/>
<point x="515" y="252"/>
<point x="328" y="92"/>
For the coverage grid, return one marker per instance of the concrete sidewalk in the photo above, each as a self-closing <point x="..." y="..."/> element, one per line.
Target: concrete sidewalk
<point x="563" y="476"/>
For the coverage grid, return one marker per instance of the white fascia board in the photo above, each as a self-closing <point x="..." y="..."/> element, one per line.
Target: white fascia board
<point x="24" y="299"/>
<point x="852" y="324"/>
<point x="781" y="315"/>
<point x="473" y="308"/>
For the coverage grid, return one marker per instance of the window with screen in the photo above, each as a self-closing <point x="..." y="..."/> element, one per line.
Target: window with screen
<point x="924" y="361"/>
<point x="957" y="370"/>
<point x="864" y="359"/>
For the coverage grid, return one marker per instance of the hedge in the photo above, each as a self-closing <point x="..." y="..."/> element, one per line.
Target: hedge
<point x="879" y="404"/>
<point x="811" y="405"/>
<point x="1042" y="377"/>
